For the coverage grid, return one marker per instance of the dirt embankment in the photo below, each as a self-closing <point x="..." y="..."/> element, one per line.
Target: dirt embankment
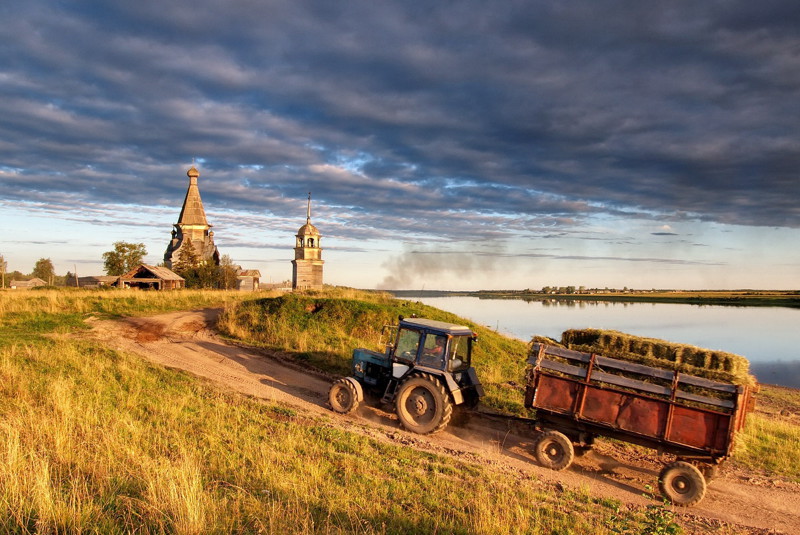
<point x="738" y="502"/>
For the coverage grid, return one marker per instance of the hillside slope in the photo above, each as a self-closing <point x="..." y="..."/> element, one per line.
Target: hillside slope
<point x="323" y="330"/>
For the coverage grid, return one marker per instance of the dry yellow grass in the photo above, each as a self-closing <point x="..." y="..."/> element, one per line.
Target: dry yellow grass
<point x="112" y="301"/>
<point x="92" y="440"/>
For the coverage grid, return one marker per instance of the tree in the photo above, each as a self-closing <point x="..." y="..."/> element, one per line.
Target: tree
<point x="187" y="258"/>
<point x="190" y="266"/>
<point x="123" y="258"/>
<point x="228" y="272"/>
<point x="44" y="270"/>
<point x="16" y="275"/>
<point x="204" y="275"/>
<point x="199" y="273"/>
<point x="207" y="275"/>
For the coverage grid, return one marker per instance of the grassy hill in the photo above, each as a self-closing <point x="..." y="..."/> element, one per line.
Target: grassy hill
<point x="94" y="440"/>
<point x="323" y="329"/>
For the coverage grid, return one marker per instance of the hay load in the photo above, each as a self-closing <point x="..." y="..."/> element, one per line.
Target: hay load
<point x="714" y="365"/>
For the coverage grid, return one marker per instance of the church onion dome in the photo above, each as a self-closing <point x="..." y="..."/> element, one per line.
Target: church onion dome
<point x="193" y="172"/>
<point x="308" y="229"/>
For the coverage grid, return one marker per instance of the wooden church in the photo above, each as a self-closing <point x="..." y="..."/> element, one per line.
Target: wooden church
<point x="192" y="228"/>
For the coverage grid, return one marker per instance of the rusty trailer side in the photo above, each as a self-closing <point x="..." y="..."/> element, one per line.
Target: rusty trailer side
<point x="587" y="395"/>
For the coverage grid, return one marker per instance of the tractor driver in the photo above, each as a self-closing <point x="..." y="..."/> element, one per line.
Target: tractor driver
<point x="432" y="356"/>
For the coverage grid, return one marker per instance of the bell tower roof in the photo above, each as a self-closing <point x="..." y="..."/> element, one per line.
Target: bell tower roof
<point x="308" y="228"/>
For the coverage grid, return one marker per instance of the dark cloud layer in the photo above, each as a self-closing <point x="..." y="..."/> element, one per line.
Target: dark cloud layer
<point x="467" y="120"/>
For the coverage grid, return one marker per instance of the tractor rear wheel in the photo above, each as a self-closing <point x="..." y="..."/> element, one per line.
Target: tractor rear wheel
<point x="423" y="405"/>
<point x="343" y="396"/>
<point x="682" y="483"/>
<point x="554" y="450"/>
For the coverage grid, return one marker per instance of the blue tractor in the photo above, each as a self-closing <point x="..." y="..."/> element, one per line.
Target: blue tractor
<point x="425" y="371"/>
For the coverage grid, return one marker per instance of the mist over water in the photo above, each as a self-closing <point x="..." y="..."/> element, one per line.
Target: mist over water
<point x="767" y="336"/>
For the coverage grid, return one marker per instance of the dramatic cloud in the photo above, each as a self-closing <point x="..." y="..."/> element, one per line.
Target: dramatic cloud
<point x="466" y="121"/>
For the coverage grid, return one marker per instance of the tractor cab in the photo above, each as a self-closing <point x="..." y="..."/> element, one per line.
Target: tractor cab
<point x="432" y="344"/>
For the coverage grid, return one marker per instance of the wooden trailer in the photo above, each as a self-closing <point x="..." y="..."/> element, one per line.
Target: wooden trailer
<point x="579" y="396"/>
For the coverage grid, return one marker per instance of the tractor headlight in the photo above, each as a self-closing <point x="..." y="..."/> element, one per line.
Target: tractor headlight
<point x="359" y="367"/>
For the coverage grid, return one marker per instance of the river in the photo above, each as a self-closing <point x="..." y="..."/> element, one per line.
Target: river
<point x="768" y="336"/>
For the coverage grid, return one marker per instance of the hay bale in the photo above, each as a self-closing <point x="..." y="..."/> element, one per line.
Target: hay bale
<point x="539" y="339"/>
<point x="715" y="365"/>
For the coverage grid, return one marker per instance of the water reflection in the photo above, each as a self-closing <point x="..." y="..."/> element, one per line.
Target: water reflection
<point x="777" y="372"/>
<point x="767" y="336"/>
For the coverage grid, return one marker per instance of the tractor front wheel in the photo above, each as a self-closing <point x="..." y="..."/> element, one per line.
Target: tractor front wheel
<point x="423" y="405"/>
<point x="343" y="396"/>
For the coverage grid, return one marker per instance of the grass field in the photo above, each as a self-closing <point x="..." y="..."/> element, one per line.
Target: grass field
<point x="770" y="443"/>
<point x="93" y="440"/>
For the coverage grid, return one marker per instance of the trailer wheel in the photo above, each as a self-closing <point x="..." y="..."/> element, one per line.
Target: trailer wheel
<point x="423" y="405"/>
<point x="343" y="395"/>
<point x="554" y="450"/>
<point x="682" y="483"/>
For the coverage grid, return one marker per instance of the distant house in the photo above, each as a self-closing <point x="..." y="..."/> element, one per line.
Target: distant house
<point x="247" y="280"/>
<point x="146" y="277"/>
<point x="95" y="281"/>
<point x="26" y="285"/>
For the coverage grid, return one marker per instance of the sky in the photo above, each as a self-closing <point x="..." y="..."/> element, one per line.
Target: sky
<point x="447" y="145"/>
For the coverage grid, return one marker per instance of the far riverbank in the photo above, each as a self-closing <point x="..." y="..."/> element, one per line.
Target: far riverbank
<point x="755" y="298"/>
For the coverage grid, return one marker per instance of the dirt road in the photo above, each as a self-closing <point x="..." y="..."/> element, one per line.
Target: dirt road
<point x="738" y="502"/>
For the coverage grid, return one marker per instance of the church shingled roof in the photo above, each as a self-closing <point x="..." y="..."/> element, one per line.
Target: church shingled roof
<point x="192" y="212"/>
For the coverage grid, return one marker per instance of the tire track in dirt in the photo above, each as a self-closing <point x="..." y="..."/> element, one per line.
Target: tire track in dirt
<point x="186" y="341"/>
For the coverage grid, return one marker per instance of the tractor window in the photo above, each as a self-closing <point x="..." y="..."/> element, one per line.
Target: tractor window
<point x="458" y="355"/>
<point x="407" y="345"/>
<point x="433" y="352"/>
